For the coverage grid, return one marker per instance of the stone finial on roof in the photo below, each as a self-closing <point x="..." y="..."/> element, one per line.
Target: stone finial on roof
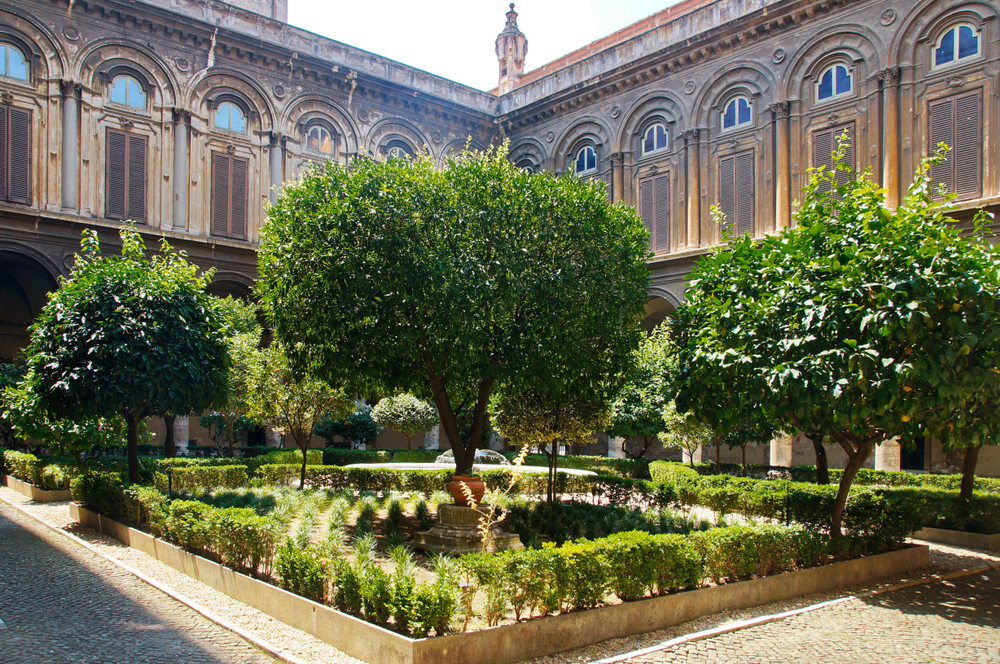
<point x="511" y="47"/>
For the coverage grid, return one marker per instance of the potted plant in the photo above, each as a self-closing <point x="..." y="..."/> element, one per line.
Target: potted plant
<point x="472" y="480"/>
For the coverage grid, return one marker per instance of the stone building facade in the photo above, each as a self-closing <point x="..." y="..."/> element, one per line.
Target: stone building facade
<point x="188" y="116"/>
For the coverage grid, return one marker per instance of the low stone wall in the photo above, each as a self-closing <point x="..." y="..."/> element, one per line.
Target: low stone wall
<point x="31" y="491"/>
<point x="509" y="643"/>
<point x="960" y="538"/>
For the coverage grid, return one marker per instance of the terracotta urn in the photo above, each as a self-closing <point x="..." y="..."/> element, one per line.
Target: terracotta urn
<point x="475" y="484"/>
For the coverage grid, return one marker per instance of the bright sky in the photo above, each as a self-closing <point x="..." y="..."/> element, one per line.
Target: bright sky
<point x="455" y="38"/>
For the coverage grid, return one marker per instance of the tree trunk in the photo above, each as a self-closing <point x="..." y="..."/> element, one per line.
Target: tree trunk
<point x="232" y="433"/>
<point x="302" y="475"/>
<point x="969" y="471"/>
<point x="132" y="445"/>
<point x="822" y="465"/>
<point x="718" y="456"/>
<point x="744" y="448"/>
<point x="854" y="464"/>
<point x="409" y="442"/>
<point x="169" y="446"/>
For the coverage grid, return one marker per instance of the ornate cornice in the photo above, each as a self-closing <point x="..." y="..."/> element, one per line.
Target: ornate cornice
<point x="889" y="76"/>
<point x="781" y="109"/>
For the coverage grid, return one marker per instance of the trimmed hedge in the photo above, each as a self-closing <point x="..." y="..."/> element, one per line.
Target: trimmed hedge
<point x="197" y="478"/>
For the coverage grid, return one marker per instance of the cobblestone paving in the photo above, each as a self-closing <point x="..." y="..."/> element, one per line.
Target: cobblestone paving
<point x="954" y="621"/>
<point x="61" y="603"/>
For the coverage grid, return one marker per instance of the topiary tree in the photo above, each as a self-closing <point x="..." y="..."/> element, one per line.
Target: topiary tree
<point x="637" y="410"/>
<point x="531" y="418"/>
<point x="292" y="403"/>
<point x="749" y="432"/>
<point x="860" y="323"/>
<point x="393" y="276"/>
<point x="683" y="432"/>
<point x="357" y="431"/>
<point x="406" y="414"/>
<point x="128" y="336"/>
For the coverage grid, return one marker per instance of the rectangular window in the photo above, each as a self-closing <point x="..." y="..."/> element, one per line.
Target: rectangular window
<point x="736" y="191"/>
<point x="654" y="204"/>
<point x="15" y="155"/>
<point x="229" y="196"/>
<point x="957" y="122"/>
<point x="126" y="176"/>
<point x="825" y="142"/>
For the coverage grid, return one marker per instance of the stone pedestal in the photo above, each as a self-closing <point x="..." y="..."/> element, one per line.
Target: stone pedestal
<point x="457" y="532"/>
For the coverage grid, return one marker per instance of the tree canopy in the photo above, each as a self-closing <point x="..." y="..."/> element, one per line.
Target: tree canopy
<point x="393" y="276"/>
<point x="130" y="336"/>
<point x="860" y="323"/>
<point x="406" y="414"/>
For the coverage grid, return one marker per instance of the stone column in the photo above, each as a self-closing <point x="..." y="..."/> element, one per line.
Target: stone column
<point x="693" y="189"/>
<point x="277" y="166"/>
<point x="617" y="176"/>
<point x="782" y="171"/>
<point x="272" y="438"/>
<point x="432" y="438"/>
<point x="615" y="450"/>
<point x="182" y="433"/>
<point x="70" y="145"/>
<point x="890" y="135"/>
<point x="781" y="451"/>
<point x="888" y="455"/>
<point x="180" y="174"/>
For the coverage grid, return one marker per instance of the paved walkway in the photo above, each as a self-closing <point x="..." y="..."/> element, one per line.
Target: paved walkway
<point x="954" y="621"/>
<point x="60" y="603"/>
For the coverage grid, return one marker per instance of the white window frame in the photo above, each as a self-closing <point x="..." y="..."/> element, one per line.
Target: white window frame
<point x="835" y="95"/>
<point x="956" y="61"/>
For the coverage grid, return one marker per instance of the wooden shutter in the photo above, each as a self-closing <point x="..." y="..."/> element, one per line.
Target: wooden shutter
<point x="238" y="198"/>
<point x="229" y="195"/>
<point x="957" y="122"/>
<point x="136" y="180"/>
<point x="220" y="194"/>
<point x="3" y="153"/>
<point x="654" y="203"/>
<point x="736" y="191"/>
<point x="18" y="155"/>
<point x="825" y="142"/>
<point x="116" y="167"/>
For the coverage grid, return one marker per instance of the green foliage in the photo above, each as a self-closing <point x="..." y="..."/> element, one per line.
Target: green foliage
<point x="683" y="432"/>
<point x="357" y="431"/>
<point x="395" y="275"/>
<point x="337" y="457"/>
<point x="742" y="552"/>
<point x="193" y="478"/>
<point x="406" y="414"/>
<point x="10" y="375"/>
<point x="638" y="409"/>
<point x="300" y="571"/>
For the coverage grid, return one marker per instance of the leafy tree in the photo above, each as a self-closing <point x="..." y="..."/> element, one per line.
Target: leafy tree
<point x="637" y="411"/>
<point x="860" y="323"/>
<point x="392" y="276"/>
<point x="224" y="430"/>
<point x="749" y="432"/>
<point x="406" y="414"/>
<point x="292" y="403"/>
<point x="682" y="432"/>
<point x="529" y="418"/>
<point x="358" y="430"/>
<point x="10" y="375"/>
<point x="130" y="336"/>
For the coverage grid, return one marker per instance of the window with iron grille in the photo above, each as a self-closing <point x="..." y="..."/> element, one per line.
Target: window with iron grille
<point x="125" y="190"/>
<point x="654" y="206"/>
<point x="15" y="155"/>
<point x="736" y="191"/>
<point x="229" y="196"/>
<point x="957" y="122"/>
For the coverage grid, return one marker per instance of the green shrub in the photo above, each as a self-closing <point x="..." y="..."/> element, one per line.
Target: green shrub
<point x="349" y="584"/>
<point x="197" y="478"/>
<point x="376" y="595"/>
<point x="742" y="552"/>
<point x="432" y="608"/>
<point x="242" y="539"/>
<point x="337" y="457"/>
<point x="300" y="571"/>
<point x="415" y="456"/>
<point x="188" y="523"/>
<point x="23" y="466"/>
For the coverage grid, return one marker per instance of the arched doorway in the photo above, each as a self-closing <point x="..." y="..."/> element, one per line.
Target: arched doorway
<point x="24" y="287"/>
<point x="659" y="307"/>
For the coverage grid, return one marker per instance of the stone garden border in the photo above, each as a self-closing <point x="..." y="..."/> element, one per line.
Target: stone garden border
<point x="508" y="643"/>
<point x="35" y="493"/>
<point x="959" y="538"/>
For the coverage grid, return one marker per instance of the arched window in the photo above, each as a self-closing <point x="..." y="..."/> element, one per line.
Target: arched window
<point x="586" y="161"/>
<point x="397" y="151"/>
<point x="319" y="139"/>
<point x="957" y="43"/>
<point x="655" y="139"/>
<point x="737" y="113"/>
<point x="230" y="117"/>
<point x="126" y="91"/>
<point x="835" y="81"/>
<point x="13" y="64"/>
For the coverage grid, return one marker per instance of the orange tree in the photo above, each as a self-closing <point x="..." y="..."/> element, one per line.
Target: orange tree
<point x="861" y="323"/>
<point x="393" y="276"/>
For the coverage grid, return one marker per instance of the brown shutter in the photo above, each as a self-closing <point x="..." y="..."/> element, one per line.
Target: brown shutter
<point x="968" y="151"/>
<point x="136" y="180"/>
<point x="942" y="121"/>
<point x="647" y="210"/>
<point x="824" y="143"/>
<point x="744" y="192"/>
<point x="19" y="156"/>
<point x="843" y="177"/>
<point x="3" y="153"/>
<point x="727" y="190"/>
<point x="220" y="194"/>
<point x="238" y="198"/>
<point x="661" y="201"/>
<point x="116" y="181"/>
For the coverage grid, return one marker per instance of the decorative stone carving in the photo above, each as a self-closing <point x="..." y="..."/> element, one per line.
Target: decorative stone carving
<point x="71" y="33"/>
<point x="437" y="137"/>
<point x="615" y="111"/>
<point x="127" y="124"/>
<point x="690" y="135"/>
<point x="780" y="109"/>
<point x="689" y="88"/>
<point x="888" y="17"/>
<point x="956" y="82"/>
<point x="6" y="97"/>
<point x="457" y="532"/>
<point x="230" y="148"/>
<point x="279" y="90"/>
<point x="778" y="56"/>
<point x="549" y="137"/>
<point x="182" y="64"/>
<point x="362" y="114"/>
<point x="889" y="76"/>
